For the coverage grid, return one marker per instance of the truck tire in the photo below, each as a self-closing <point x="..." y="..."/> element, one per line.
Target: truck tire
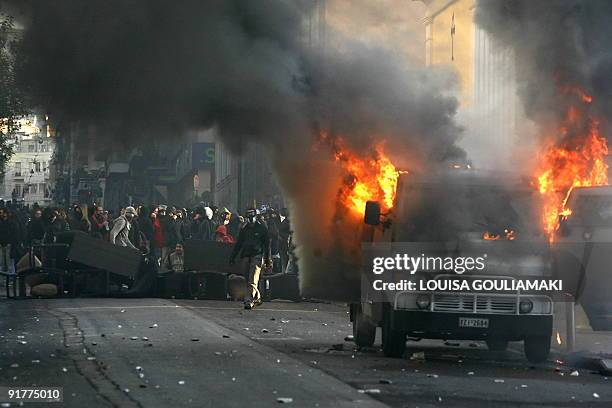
<point x="537" y="348"/>
<point x="393" y="341"/>
<point x="364" y="331"/>
<point x="497" y="344"/>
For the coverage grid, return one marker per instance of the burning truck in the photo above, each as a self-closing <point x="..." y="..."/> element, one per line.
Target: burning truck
<point x="460" y="211"/>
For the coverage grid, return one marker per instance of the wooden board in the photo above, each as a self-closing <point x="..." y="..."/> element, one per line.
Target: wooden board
<point x="100" y="254"/>
<point x="208" y="256"/>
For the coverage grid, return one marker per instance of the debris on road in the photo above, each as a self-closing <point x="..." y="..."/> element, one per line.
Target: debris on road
<point x="595" y="395"/>
<point x="195" y="339"/>
<point x="418" y="356"/>
<point x="575" y="373"/>
<point x="181" y="382"/>
<point x="385" y="381"/>
<point x="499" y="381"/>
<point x="284" y="400"/>
<point x="153" y="326"/>
<point x="369" y="391"/>
<point x="264" y="330"/>
<point x="349" y="338"/>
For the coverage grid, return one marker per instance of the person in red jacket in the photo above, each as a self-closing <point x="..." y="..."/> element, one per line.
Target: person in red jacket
<point x="159" y="236"/>
<point x="221" y="235"/>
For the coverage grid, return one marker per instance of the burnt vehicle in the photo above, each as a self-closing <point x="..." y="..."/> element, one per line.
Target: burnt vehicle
<point x="464" y="212"/>
<point x="582" y="252"/>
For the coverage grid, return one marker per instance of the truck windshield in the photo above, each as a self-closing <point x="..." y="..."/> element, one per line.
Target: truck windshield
<point x="443" y="212"/>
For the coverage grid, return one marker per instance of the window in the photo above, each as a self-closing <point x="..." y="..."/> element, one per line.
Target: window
<point x="37" y="167"/>
<point x="31" y="147"/>
<point x="17" y="169"/>
<point x="44" y="147"/>
<point x="42" y="189"/>
<point x="17" y="190"/>
<point x="33" y="189"/>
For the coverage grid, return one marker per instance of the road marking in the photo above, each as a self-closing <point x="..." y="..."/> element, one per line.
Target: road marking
<point x="276" y="338"/>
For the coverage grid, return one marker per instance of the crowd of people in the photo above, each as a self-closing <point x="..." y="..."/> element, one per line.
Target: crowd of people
<point x="159" y="231"/>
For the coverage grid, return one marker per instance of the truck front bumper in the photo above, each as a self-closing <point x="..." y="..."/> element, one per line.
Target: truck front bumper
<point x="436" y="325"/>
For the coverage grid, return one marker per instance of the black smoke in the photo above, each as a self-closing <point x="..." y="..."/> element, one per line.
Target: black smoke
<point x="155" y="67"/>
<point x="559" y="45"/>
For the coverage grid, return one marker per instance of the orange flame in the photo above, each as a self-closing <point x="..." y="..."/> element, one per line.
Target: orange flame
<point x="577" y="161"/>
<point x="369" y="177"/>
<point x="508" y="235"/>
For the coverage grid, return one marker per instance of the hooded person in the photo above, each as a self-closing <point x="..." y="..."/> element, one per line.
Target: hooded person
<point x="221" y="235"/>
<point x="120" y="234"/>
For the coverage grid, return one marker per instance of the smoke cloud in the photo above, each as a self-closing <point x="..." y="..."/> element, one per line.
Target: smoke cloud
<point x="245" y="67"/>
<point x="560" y="44"/>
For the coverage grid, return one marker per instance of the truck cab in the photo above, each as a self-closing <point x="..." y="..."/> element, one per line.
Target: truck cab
<point x="467" y="211"/>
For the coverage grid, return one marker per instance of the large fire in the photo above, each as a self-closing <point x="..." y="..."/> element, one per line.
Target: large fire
<point x="371" y="176"/>
<point x="578" y="160"/>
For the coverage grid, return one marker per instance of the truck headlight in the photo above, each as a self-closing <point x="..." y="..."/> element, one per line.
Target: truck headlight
<point x="423" y="301"/>
<point x="525" y="306"/>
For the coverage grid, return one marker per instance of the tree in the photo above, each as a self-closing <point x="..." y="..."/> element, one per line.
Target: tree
<point x="11" y="98"/>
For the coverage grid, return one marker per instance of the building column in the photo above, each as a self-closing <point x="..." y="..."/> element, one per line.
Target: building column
<point x="428" y="21"/>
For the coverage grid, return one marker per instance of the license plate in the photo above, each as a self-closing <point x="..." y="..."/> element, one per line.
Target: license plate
<point x="473" y="322"/>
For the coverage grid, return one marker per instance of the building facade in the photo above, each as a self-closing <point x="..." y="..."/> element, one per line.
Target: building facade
<point x="489" y="105"/>
<point x="246" y="179"/>
<point x="28" y="177"/>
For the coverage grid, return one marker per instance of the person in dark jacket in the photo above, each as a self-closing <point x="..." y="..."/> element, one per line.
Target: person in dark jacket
<point x="57" y="225"/>
<point x="253" y="246"/>
<point x="79" y="220"/>
<point x="284" y="242"/>
<point x="9" y="241"/>
<point x="35" y="229"/>
<point x="144" y="222"/>
<point x="202" y="226"/>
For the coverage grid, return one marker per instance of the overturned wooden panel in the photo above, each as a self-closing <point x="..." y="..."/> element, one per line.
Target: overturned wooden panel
<point x="208" y="256"/>
<point x="100" y="254"/>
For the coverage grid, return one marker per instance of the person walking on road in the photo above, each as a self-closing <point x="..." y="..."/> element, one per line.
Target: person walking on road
<point x="253" y="245"/>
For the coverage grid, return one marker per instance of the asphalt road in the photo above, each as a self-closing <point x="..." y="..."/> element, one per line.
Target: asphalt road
<point x="163" y="353"/>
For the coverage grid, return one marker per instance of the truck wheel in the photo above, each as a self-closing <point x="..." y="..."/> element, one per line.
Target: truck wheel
<point x="393" y="341"/>
<point x="364" y="331"/>
<point x="497" y="344"/>
<point x="537" y="348"/>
